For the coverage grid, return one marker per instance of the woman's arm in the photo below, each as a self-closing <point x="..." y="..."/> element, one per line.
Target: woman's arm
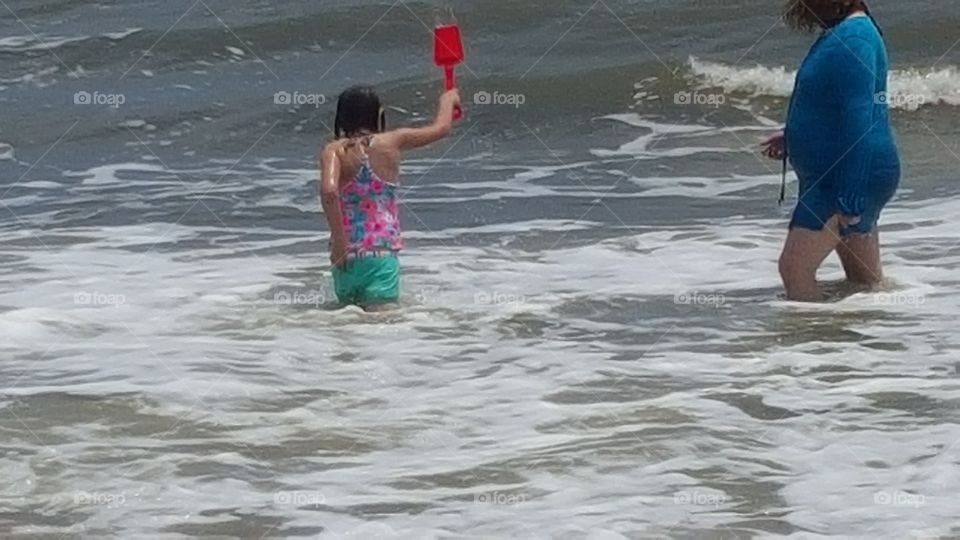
<point x="854" y="81"/>
<point x="410" y="138"/>
<point x="330" y="168"/>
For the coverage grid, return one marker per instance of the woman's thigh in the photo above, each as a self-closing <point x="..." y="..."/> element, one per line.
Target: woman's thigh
<point x="860" y="255"/>
<point x="805" y="249"/>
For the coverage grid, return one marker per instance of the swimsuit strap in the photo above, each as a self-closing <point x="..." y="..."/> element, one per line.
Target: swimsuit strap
<point x="783" y="175"/>
<point x="361" y="144"/>
<point x="875" y="23"/>
<point x="866" y="11"/>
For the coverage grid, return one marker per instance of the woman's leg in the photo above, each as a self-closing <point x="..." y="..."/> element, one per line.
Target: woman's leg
<point x="860" y="255"/>
<point x="803" y="253"/>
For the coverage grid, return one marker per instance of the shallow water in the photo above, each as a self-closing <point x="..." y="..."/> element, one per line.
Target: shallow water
<point x="592" y="343"/>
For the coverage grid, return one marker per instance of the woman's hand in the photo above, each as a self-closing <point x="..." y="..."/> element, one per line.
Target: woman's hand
<point x="846" y="222"/>
<point x="774" y="147"/>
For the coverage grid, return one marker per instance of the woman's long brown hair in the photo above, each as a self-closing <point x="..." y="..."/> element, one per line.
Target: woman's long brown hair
<point x="813" y="15"/>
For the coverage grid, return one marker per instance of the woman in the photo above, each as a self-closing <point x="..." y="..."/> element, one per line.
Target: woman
<point x="839" y="141"/>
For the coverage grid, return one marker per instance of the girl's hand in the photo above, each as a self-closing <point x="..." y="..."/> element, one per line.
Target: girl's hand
<point x="450" y="100"/>
<point x="773" y="147"/>
<point x="338" y="256"/>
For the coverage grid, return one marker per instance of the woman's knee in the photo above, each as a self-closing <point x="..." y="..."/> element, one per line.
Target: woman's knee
<point x="793" y="269"/>
<point x="798" y="264"/>
<point x="784" y="266"/>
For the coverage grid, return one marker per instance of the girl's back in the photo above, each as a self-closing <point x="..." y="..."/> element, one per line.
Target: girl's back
<point x="383" y="160"/>
<point x="368" y="200"/>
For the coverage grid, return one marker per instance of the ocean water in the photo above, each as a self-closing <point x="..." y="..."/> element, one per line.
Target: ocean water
<point x="593" y="342"/>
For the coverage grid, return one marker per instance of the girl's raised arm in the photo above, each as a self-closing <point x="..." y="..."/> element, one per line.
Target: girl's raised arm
<point x="410" y="138"/>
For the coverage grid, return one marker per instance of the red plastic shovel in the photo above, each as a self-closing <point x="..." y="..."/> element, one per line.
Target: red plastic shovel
<point x="448" y="53"/>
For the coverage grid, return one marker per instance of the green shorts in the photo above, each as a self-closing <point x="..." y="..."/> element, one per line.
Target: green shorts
<point x="368" y="281"/>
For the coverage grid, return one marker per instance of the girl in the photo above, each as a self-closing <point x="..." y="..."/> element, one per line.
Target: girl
<point x="839" y="140"/>
<point x="358" y="193"/>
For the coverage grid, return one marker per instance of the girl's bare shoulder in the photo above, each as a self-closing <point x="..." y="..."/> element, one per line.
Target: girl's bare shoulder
<point x="335" y="148"/>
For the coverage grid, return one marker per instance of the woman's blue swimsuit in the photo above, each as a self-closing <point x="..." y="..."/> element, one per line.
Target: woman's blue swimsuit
<point x="838" y="135"/>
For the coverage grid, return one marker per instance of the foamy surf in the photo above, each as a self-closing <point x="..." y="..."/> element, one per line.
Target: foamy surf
<point x="909" y="89"/>
<point x="36" y="42"/>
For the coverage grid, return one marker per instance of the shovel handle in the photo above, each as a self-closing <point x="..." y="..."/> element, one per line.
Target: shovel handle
<point x="451" y="83"/>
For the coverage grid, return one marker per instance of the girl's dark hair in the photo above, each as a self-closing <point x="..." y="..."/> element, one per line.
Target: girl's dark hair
<point x="813" y="15"/>
<point x="359" y="111"/>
